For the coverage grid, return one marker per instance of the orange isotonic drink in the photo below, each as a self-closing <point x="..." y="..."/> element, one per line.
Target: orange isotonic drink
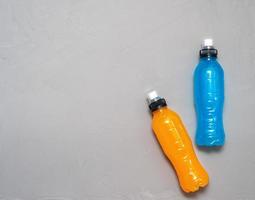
<point x="176" y="144"/>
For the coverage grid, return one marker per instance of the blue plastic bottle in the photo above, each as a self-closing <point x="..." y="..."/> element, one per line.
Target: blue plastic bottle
<point x="209" y="97"/>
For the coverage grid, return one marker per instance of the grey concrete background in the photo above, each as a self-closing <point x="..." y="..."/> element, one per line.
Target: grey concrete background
<point x="74" y="122"/>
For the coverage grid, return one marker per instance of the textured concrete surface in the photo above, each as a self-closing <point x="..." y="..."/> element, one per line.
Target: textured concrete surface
<point x="74" y="122"/>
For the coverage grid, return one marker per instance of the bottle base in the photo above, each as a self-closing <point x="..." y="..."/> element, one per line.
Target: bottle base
<point x="210" y="143"/>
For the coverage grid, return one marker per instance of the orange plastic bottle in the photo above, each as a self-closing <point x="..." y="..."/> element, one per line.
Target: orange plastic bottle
<point x="176" y="144"/>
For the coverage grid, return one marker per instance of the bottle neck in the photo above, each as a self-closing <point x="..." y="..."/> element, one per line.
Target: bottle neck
<point x="156" y="105"/>
<point x="209" y="52"/>
<point x="208" y="58"/>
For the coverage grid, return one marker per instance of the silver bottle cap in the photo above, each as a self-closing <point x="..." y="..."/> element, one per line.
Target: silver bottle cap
<point x="207" y="43"/>
<point x="152" y="96"/>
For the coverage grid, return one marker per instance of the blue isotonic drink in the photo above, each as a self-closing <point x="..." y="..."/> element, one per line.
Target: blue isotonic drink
<point x="209" y="97"/>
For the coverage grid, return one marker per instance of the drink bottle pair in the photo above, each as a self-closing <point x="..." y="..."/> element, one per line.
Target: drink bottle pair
<point x="170" y="131"/>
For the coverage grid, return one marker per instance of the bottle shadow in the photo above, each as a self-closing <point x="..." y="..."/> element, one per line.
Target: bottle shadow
<point x="213" y="149"/>
<point x="194" y="195"/>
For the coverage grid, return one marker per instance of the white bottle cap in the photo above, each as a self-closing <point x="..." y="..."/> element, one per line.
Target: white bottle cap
<point x="207" y="43"/>
<point x="152" y="96"/>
